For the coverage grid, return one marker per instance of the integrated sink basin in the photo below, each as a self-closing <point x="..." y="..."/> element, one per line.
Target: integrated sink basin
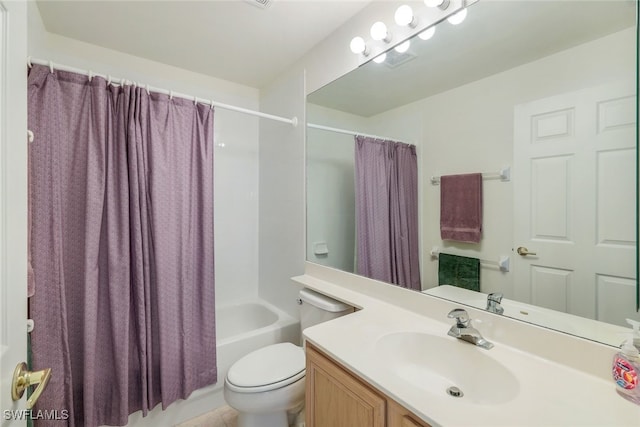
<point x="447" y="367"/>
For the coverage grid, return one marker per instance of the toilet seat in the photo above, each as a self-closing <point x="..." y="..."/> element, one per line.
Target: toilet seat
<point x="268" y="368"/>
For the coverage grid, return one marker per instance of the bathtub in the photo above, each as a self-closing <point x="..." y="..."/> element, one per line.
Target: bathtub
<point x="240" y="328"/>
<point x="247" y="326"/>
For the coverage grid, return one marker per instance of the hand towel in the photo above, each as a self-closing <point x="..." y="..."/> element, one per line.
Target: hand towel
<point x="460" y="271"/>
<point x="461" y="207"/>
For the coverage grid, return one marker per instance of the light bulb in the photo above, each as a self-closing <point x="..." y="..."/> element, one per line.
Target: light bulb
<point x="404" y="16"/>
<point x="380" y="58"/>
<point x="379" y="32"/>
<point x="358" y="46"/>
<point x="428" y="33"/>
<point x="403" y="47"/>
<point x="458" y="17"/>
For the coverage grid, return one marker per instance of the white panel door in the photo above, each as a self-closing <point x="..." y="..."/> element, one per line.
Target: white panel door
<point x="575" y="192"/>
<point x="13" y="204"/>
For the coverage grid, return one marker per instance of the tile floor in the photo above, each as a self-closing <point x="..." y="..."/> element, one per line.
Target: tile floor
<point x="224" y="416"/>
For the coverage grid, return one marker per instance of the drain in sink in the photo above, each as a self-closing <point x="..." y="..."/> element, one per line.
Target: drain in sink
<point x="454" y="391"/>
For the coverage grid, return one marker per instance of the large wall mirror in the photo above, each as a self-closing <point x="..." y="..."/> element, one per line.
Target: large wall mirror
<point x="540" y="97"/>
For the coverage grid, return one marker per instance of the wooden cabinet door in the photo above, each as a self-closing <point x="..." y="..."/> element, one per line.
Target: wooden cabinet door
<point x="398" y="416"/>
<point x="335" y="398"/>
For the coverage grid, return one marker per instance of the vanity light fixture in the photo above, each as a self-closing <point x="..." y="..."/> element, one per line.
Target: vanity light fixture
<point x="457" y="18"/>
<point x="403" y="47"/>
<point x="404" y="17"/>
<point x="442" y="4"/>
<point x="380" y="58"/>
<point x="379" y="32"/>
<point x="359" y="46"/>
<point x="409" y="21"/>
<point x="428" y="33"/>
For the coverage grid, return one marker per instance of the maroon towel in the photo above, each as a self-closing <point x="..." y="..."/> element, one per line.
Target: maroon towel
<point x="461" y="207"/>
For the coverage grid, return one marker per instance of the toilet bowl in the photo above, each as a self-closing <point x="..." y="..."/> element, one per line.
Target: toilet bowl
<point x="267" y="386"/>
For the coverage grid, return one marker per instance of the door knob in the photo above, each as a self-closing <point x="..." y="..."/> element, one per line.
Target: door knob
<point x="522" y="251"/>
<point x="23" y="378"/>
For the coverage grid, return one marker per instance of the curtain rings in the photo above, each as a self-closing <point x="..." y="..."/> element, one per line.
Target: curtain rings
<point x="51" y="66"/>
<point x="29" y="64"/>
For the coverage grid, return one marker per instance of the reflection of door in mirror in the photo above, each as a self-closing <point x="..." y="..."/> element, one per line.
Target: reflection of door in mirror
<point x="574" y="191"/>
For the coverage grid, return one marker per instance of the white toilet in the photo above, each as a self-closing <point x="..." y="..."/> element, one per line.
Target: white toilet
<point x="267" y="385"/>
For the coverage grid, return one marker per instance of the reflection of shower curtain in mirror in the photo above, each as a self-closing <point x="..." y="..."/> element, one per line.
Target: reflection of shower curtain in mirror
<point x="122" y="245"/>
<point x="387" y="211"/>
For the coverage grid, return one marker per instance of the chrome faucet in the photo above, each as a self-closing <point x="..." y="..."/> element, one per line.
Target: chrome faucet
<point x="465" y="331"/>
<point x="493" y="303"/>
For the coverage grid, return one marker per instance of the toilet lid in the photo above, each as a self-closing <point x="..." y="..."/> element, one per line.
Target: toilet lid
<point x="268" y="366"/>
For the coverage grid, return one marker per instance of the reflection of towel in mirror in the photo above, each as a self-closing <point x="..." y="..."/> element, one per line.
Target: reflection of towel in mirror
<point x="461" y="207"/>
<point x="460" y="271"/>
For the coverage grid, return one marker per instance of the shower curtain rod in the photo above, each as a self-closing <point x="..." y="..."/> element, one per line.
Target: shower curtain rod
<point x="351" y="132"/>
<point x="30" y="61"/>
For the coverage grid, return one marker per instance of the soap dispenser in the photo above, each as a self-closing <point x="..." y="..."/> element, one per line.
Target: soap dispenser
<point x="625" y="370"/>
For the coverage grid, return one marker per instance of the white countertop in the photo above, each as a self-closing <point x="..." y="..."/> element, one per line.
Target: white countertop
<point x="548" y="393"/>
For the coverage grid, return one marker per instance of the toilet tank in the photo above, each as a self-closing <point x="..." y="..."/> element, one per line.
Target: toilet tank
<point x="317" y="308"/>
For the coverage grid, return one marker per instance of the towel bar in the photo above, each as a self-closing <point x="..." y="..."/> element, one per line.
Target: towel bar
<point x="504" y="175"/>
<point x="502" y="263"/>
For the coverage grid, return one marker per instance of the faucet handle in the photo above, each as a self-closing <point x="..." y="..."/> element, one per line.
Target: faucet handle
<point x="495" y="297"/>
<point x="461" y="316"/>
<point x="493" y="303"/>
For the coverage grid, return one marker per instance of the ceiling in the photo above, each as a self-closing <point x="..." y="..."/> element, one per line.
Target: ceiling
<point x="496" y="36"/>
<point x="229" y="39"/>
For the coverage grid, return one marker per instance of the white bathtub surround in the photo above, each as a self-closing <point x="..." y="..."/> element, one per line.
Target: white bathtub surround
<point x="555" y="378"/>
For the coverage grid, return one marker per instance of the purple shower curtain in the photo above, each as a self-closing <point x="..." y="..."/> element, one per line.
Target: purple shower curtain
<point x="122" y="245"/>
<point x="387" y="211"/>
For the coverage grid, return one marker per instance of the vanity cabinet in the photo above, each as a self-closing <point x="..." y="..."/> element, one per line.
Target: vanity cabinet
<point x="337" y="398"/>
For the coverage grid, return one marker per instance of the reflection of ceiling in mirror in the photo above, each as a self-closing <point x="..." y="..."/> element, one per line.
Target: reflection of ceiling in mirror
<point x="475" y="49"/>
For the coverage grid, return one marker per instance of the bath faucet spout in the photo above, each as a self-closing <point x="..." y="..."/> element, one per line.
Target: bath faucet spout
<point x="464" y="331"/>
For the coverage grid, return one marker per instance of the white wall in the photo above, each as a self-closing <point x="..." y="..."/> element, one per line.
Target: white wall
<point x="235" y="139"/>
<point x="282" y="213"/>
